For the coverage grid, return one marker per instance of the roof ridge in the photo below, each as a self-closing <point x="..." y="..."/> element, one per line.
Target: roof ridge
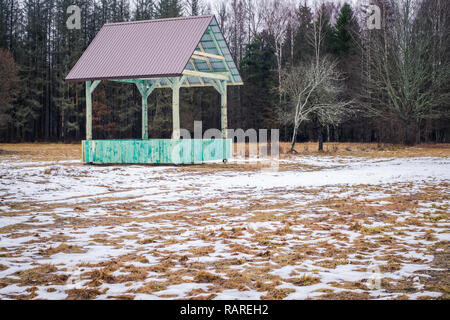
<point x="158" y="20"/>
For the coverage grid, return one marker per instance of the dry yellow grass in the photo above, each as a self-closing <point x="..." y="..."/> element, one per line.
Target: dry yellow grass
<point x="373" y="150"/>
<point x="60" y="151"/>
<point x="40" y="151"/>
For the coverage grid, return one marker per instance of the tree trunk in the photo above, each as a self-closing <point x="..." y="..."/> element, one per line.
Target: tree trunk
<point x="418" y="132"/>
<point x="320" y="137"/>
<point x="63" y="129"/>
<point x="294" y="138"/>
<point x="406" y="138"/>
<point x="409" y="138"/>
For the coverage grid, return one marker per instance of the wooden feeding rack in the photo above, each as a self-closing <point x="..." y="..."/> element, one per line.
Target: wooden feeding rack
<point x="164" y="53"/>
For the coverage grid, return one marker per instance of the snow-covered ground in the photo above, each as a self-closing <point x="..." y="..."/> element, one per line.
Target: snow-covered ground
<point x="319" y="227"/>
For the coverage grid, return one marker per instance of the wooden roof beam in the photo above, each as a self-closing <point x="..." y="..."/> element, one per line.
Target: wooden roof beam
<point x="219" y="49"/>
<point x="196" y="69"/>
<point x="216" y="75"/>
<point x="207" y="55"/>
<point x="207" y="61"/>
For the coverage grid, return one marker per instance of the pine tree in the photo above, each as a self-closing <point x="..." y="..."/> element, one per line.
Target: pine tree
<point x="169" y="9"/>
<point x="342" y="39"/>
<point x="344" y="46"/>
<point x="67" y="48"/>
<point x="10" y="16"/>
<point x="9" y="86"/>
<point x="257" y="68"/>
<point x="194" y="7"/>
<point x="302" y="49"/>
<point x="34" y="102"/>
<point x="324" y="16"/>
<point x="145" y="10"/>
<point x="120" y="10"/>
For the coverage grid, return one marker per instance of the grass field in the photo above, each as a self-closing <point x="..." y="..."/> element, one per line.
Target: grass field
<point x="358" y="221"/>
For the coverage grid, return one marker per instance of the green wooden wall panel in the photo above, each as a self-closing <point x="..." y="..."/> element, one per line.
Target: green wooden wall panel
<point x="155" y="151"/>
<point x="197" y="151"/>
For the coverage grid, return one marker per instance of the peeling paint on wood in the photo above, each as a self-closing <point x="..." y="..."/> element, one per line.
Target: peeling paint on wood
<point x="155" y="151"/>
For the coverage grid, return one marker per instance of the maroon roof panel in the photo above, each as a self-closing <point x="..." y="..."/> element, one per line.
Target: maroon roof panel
<point x="142" y="49"/>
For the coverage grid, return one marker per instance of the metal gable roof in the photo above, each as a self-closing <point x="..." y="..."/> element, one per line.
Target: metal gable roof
<point x="154" y="49"/>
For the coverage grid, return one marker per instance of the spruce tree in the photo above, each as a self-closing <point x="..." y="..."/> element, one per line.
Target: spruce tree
<point x="324" y="16"/>
<point x="10" y="14"/>
<point x="302" y="48"/>
<point x="194" y="7"/>
<point x="34" y="103"/>
<point x="145" y="10"/>
<point x="68" y="46"/>
<point x="342" y="32"/>
<point x="9" y="86"/>
<point x="257" y="68"/>
<point x="169" y="9"/>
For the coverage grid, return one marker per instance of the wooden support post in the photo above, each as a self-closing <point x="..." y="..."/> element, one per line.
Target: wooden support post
<point x="94" y="85"/>
<point x="88" y="111"/>
<point x="90" y="87"/>
<point x="223" y="108"/>
<point x="144" y="117"/>
<point x="145" y="88"/>
<point x="176" y="84"/>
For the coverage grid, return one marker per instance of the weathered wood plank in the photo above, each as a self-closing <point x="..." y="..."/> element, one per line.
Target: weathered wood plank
<point x="215" y="75"/>
<point x="208" y="55"/>
<point x="224" y="109"/>
<point x="163" y="151"/>
<point x="176" y="84"/>
<point x="88" y="111"/>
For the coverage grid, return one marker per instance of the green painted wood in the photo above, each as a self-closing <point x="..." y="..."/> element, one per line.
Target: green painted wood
<point x="88" y="110"/>
<point x="224" y="108"/>
<point x="176" y="84"/>
<point x="146" y="88"/>
<point x="90" y="87"/>
<point x="145" y="117"/>
<point x="153" y="151"/>
<point x="94" y="85"/>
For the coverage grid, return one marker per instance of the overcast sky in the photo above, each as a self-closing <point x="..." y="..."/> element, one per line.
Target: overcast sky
<point x="215" y="2"/>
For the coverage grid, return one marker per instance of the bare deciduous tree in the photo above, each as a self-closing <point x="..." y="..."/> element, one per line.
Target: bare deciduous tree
<point x="221" y="14"/>
<point x="403" y="81"/>
<point x="313" y="89"/>
<point x="254" y="15"/>
<point x="275" y="23"/>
